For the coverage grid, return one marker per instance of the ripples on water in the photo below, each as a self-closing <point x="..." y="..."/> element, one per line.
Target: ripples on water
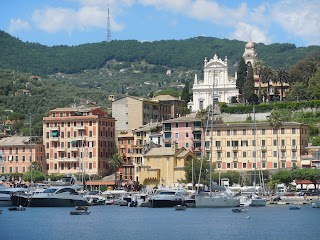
<point x="115" y="222"/>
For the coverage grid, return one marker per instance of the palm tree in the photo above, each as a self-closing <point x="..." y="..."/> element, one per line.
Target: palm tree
<point x="281" y="76"/>
<point x="275" y="121"/>
<point x="115" y="162"/>
<point x="258" y="66"/>
<point x="267" y="75"/>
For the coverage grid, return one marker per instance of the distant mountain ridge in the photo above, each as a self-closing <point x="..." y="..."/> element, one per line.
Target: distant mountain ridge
<point x="190" y="53"/>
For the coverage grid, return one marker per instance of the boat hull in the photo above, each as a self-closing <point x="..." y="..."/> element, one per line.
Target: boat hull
<point x="216" y="202"/>
<point x="27" y="201"/>
<point x="316" y="204"/>
<point x="258" y="202"/>
<point x="160" y="203"/>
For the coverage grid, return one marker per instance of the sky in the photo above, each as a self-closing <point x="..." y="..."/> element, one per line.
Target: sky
<point x="75" y="22"/>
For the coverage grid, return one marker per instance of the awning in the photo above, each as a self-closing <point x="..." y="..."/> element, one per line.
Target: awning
<point x="54" y="133"/>
<point x="306" y="162"/>
<point x="74" y="141"/>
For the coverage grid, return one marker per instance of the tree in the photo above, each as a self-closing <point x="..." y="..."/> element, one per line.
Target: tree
<point x="281" y="76"/>
<point x="241" y="75"/>
<point x="248" y="87"/>
<point x="267" y="76"/>
<point x="314" y="86"/>
<point x="298" y="92"/>
<point x="205" y="173"/>
<point x="185" y="95"/>
<point x="275" y="121"/>
<point x="115" y="162"/>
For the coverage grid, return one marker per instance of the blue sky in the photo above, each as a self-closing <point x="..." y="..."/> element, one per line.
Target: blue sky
<point x="74" y="22"/>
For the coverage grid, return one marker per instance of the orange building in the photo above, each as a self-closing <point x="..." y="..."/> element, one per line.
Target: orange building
<point x="15" y="154"/>
<point x="125" y="173"/>
<point x="76" y="137"/>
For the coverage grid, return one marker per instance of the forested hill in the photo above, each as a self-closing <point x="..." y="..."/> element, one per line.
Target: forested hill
<point x="39" y="59"/>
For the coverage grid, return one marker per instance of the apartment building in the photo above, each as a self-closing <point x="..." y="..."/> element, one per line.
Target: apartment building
<point x="134" y="112"/>
<point x="242" y="147"/>
<point x="17" y="153"/>
<point x="78" y="140"/>
<point x="126" y="173"/>
<point x="311" y="157"/>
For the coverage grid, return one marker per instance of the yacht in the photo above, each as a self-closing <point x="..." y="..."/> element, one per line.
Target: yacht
<point x="253" y="200"/>
<point x="316" y="204"/>
<point x="5" y="195"/>
<point x="55" y="196"/>
<point x="167" y="197"/>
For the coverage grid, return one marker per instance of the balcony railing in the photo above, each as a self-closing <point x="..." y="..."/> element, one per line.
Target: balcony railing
<point x="283" y="147"/>
<point x="219" y="148"/>
<point x="235" y="148"/>
<point x="263" y="147"/>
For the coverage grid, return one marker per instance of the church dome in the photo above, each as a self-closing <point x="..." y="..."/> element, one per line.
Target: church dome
<point x="249" y="45"/>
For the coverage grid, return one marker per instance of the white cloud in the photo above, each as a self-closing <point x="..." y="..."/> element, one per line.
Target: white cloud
<point x="90" y="14"/>
<point x="245" y="31"/>
<point x="299" y="19"/>
<point x="17" y="25"/>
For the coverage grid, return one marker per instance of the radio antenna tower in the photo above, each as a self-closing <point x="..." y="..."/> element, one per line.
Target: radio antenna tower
<point x="108" y="26"/>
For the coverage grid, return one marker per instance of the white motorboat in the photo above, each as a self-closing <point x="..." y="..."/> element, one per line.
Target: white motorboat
<point x="167" y="197"/>
<point x="55" y="196"/>
<point x="217" y="199"/>
<point x="95" y="198"/>
<point x="253" y="200"/>
<point x="180" y="207"/>
<point x="5" y="195"/>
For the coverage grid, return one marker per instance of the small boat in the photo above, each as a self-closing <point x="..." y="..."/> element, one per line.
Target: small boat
<point x="180" y="207"/>
<point x="81" y="210"/>
<point x="239" y="210"/>
<point x="0" y="211"/>
<point x="20" y="208"/>
<point x="123" y="203"/>
<point x="294" y="207"/>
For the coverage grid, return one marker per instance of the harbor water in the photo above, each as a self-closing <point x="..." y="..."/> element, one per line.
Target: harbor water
<point x="116" y="222"/>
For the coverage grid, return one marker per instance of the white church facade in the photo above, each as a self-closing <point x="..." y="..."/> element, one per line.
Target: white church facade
<point x="216" y="77"/>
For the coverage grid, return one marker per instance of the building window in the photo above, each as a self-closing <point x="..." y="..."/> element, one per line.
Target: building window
<point x="218" y="132"/>
<point x="228" y="143"/>
<point x="69" y="124"/>
<point x="235" y="132"/>
<point x="244" y="143"/>
<point x="274" y="142"/>
<point x="187" y="135"/>
<point x="254" y="154"/>
<point x="274" y="131"/>
<point x="228" y="165"/>
<point x="177" y="135"/>
<point x="263" y="154"/>
<point x="244" y="131"/>
<point x="283" y="142"/>
<point x="90" y="165"/>
<point x="293" y="130"/>
<point x="294" y="164"/>
<point x="263" y="165"/>
<point x="263" y="131"/>
<point x="187" y="145"/>
<point x="90" y="123"/>
<point x="55" y="166"/>
<point x="219" y="165"/>
<point x="282" y="131"/>
<point x="228" y="154"/>
<point x="90" y="133"/>
<point x="244" y="165"/>
<point x="23" y="158"/>
<point x="283" y="165"/>
<point x="263" y="142"/>
<point x="275" y="165"/>
<point x="187" y="124"/>
<point x="244" y="154"/>
<point x="254" y="165"/>
<point x="90" y="154"/>
<point x="228" y="132"/>
<point x="218" y="143"/>
<point x="275" y="154"/>
<point x="235" y="165"/>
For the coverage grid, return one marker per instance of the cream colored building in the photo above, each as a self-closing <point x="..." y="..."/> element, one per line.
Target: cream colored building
<point x="234" y="146"/>
<point x="78" y="139"/>
<point x="133" y="112"/>
<point x="164" y="166"/>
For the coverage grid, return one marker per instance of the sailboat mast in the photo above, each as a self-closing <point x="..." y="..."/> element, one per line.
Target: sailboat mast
<point x="255" y="149"/>
<point x="30" y="142"/>
<point x="211" y="129"/>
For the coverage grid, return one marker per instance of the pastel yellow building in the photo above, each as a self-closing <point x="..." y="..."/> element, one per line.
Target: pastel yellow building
<point x="238" y="146"/>
<point x="164" y="166"/>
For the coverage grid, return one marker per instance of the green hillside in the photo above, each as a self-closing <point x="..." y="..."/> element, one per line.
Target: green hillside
<point x="39" y="59"/>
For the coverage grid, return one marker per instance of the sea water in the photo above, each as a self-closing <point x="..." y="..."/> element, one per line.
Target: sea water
<point x="118" y="222"/>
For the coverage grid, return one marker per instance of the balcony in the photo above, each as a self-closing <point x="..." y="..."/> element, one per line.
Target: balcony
<point x="235" y="148"/>
<point x="68" y="160"/>
<point x="167" y="129"/>
<point x="207" y="147"/>
<point x="61" y="149"/>
<point x="235" y="159"/>
<point x="56" y="128"/>
<point x="219" y="148"/>
<point x="196" y="139"/>
<point x="54" y="139"/>
<point x="73" y="149"/>
<point x="283" y="147"/>
<point x="167" y="140"/>
<point x="219" y="159"/>
<point x="283" y="158"/>
<point x="294" y="147"/>
<point x="263" y="148"/>
<point x="80" y="127"/>
<point x="263" y="158"/>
